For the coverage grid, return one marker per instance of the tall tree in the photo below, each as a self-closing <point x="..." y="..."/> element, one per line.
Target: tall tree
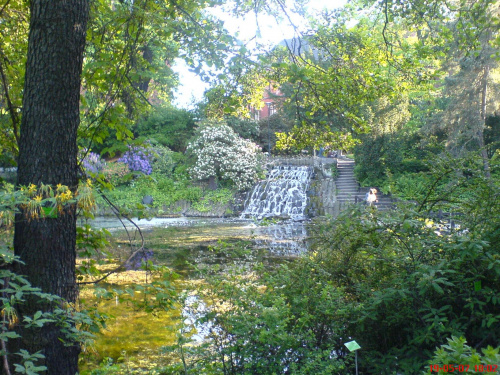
<point x="48" y="145"/>
<point x="465" y="33"/>
<point x="333" y="72"/>
<point x="48" y="154"/>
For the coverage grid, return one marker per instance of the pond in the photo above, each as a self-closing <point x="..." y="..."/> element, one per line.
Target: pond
<point x="182" y="244"/>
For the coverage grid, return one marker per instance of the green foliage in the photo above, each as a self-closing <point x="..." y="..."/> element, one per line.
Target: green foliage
<point x="169" y="127"/>
<point x="116" y="173"/>
<point x="245" y="128"/>
<point x="387" y="156"/>
<point x="91" y="245"/>
<point x="127" y="70"/>
<point x="289" y="320"/>
<point x="385" y="116"/>
<point x="491" y="134"/>
<point x="14" y="45"/>
<point x="213" y="197"/>
<point x="14" y="290"/>
<point x="163" y="160"/>
<point x="339" y="80"/>
<point x="412" y="187"/>
<point x="414" y="283"/>
<point x="270" y="128"/>
<point x="27" y="365"/>
<point x="396" y="282"/>
<point x="236" y="91"/>
<point x="314" y="137"/>
<point x="164" y="190"/>
<point x="457" y="352"/>
<point x="334" y="170"/>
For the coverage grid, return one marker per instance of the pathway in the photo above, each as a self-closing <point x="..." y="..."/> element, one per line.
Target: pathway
<point x="349" y="191"/>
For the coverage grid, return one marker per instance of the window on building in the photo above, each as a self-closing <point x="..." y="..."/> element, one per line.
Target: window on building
<point x="272" y="109"/>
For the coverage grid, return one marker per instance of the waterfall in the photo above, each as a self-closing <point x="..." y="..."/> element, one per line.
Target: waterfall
<point x="283" y="194"/>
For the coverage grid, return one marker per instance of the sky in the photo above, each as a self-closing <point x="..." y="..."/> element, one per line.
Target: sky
<point x="191" y="87"/>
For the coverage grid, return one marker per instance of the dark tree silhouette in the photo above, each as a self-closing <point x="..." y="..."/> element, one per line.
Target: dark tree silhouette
<point x="48" y="154"/>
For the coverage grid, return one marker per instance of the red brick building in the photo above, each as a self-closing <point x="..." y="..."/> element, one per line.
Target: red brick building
<point x="270" y="102"/>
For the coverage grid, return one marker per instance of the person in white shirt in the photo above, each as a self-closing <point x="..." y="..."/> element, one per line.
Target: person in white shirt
<point x="371" y="197"/>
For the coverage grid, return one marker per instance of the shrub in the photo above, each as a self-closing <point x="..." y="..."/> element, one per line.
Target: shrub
<point x="379" y="157"/>
<point x="163" y="161"/>
<point x="334" y="170"/>
<point x="411" y="187"/>
<point x="221" y="153"/>
<point x="414" y="166"/>
<point x="413" y="284"/>
<point x="290" y="320"/>
<point x="460" y="356"/>
<point x="213" y="197"/>
<point x="169" y="127"/>
<point x="115" y="172"/>
<point x="138" y="159"/>
<point x="92" y="162"/>
<point x="246" y="129"/>
<point x="164" y="190"/>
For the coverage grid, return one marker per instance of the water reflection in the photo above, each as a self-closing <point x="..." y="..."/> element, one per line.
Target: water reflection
<point x="113" y="223"/>
<point x="286" y="238"/>
<point x="193" y="311"/>
<point x="186" y="245"/>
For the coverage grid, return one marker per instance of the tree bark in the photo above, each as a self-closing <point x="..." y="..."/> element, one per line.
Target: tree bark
<point x="48" y="154"/>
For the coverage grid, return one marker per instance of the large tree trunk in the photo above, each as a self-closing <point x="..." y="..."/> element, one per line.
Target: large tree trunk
<point x="48" y="154"/>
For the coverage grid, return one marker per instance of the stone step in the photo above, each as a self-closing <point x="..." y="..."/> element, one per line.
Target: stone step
<point x="349" y="191"/>
<point x="347" y="183"/>
<point x="349" y="188"/>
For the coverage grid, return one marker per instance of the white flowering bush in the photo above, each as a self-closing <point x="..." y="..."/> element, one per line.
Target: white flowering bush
<point x="221" y="153"/>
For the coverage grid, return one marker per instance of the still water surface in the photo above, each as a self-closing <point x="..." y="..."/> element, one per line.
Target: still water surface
<point x="180" y="243"/>
<point x="285" y="238"/>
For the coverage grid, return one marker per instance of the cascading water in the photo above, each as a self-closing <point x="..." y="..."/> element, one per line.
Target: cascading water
<point x="282" y="194"/>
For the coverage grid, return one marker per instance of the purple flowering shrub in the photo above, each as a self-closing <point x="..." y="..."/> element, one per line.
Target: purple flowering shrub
<point x="138" y="159"/>
<point x="92" y="162"/>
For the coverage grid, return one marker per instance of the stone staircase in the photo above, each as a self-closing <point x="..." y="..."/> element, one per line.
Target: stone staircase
<point x="349" y="191"/>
